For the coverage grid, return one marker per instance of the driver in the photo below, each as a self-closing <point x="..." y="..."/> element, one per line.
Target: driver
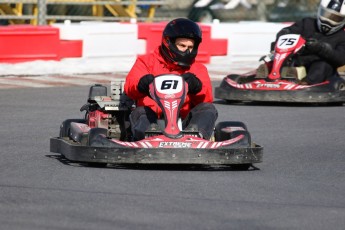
<point x="175" y="55"/>
<point x="325" y="41"/>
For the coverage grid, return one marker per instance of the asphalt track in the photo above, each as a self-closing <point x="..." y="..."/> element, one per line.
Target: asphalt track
<point x="300" y="184"/>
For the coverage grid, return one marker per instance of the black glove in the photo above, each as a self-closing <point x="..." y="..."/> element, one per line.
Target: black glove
<point x="194" y="84"/>
<point x="144" y="84"/>
<point x="313" y="46"/>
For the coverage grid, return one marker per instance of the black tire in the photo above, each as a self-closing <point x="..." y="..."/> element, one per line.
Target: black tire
<point x="238" y="128"/>
<point x="65" y="127"/>
<point x="339" y="84"/>
<point x="94" y="133"/>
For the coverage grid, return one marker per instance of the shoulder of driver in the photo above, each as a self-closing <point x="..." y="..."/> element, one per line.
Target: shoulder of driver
<point x="198" y="68"/>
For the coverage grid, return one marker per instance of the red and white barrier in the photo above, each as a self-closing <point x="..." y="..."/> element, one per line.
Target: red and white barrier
<point x="91" y="47"/>
<point x="22" y="43"/>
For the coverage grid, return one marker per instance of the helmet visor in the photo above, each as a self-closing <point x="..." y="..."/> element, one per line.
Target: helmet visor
<point x="331" y="15"/>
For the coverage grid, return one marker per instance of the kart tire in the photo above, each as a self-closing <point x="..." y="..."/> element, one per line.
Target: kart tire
<point x="94" y="135"/>
<point x="238" y="128"/>
<point x="339" y="85"/>
<point x="65" y="127"/>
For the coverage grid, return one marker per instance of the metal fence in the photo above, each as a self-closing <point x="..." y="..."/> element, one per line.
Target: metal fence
<point x="40" y="12"/>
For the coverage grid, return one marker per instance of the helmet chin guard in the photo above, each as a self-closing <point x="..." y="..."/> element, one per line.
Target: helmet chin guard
<point x="174" y="55"/>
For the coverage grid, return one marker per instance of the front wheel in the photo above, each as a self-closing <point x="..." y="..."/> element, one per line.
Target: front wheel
<point x="226" y="130"/>
<point x="93" y="137"/>
<point x="65" y="128"/>
<point x="339" y="84"/>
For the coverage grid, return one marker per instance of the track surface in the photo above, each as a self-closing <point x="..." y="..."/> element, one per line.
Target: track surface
<point x="300" y="184"/>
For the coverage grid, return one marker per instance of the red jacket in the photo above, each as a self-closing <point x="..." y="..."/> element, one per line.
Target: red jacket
<point x="155" y="64"/>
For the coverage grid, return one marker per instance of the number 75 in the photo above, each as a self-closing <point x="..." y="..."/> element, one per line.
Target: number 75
<point x="287" y="41"/>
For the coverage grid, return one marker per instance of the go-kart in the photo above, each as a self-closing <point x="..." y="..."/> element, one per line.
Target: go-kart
<point x="103" y="136"/>
<point x="278" y="80"/>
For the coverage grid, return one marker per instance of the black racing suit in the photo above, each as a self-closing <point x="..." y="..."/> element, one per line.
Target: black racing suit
<point x="324" y="64"/>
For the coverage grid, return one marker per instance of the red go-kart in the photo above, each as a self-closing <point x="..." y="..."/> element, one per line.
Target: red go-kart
<point x="278" y="80"/>
<point x="104" y="135"/>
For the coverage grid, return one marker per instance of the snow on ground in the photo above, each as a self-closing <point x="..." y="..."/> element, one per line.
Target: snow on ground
<point x="42" y="74"/>
<point x="218" y="68"/>
<point x="67" y="66"/>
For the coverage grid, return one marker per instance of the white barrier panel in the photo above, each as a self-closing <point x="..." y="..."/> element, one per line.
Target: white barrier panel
<point x="247" y="42"/>
<point x="104" y="39"/>
<point x="107" y="46"/>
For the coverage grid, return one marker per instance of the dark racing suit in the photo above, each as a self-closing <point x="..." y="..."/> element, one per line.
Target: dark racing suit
<point x="324" y="64"/>
<point x="197" y="109"/>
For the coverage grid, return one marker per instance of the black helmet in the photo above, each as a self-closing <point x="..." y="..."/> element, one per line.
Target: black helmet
<point x="180" y="28"/>
<point x="331" y="16"/>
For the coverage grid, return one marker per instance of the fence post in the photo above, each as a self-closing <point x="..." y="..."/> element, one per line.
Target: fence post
<point x="261" y="10"/>
<point x="42" y="12"/>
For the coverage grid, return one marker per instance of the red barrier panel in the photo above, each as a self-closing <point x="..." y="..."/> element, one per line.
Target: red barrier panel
<point x="152" y="32"/>
<point x="23" y="43"/>
<point x="71" y="49"/>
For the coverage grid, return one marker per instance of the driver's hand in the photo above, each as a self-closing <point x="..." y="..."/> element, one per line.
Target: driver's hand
<point x="194" y="84"/>
<point x="144" y="84"/>
<point x="313" y="46"/>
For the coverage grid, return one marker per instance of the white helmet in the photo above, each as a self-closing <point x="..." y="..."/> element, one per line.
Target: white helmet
<point x="331" y="16"/>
